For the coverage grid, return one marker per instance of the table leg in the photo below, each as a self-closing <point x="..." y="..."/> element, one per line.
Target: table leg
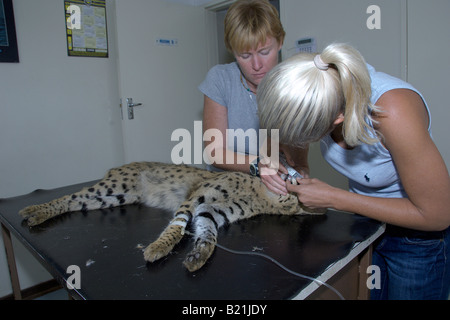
<point x="365" y="260"/>
<point x="11" y="263"/>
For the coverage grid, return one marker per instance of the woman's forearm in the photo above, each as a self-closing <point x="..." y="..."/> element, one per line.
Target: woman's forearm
<point x="397" y="211"/>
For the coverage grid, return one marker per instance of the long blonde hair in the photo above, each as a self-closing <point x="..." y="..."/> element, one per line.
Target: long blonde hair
<point x="248" y="23"/>
<point x="303" y="101"/>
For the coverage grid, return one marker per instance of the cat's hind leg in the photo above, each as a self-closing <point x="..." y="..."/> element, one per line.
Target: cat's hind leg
<point x="207" y="221"/>
<point x="170" y="237"/>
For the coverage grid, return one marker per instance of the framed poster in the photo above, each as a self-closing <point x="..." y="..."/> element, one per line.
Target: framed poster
<point x="8" y="40"/>
<point x="86" y="29"/>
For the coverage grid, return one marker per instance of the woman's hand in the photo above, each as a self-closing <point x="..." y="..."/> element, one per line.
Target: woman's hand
<point x="271" y="172"/>
<point x="313" y="193"/>
<point x="271" y="178"/>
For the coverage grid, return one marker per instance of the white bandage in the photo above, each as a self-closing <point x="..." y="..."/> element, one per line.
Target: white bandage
<point x="182" y="216"/>
<point x="180" y="223"/>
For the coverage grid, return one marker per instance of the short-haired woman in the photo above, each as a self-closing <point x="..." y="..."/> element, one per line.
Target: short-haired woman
<point x="254" y="35"/>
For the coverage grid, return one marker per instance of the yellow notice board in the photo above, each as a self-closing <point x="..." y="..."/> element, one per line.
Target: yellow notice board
<point x="86" y="29"/>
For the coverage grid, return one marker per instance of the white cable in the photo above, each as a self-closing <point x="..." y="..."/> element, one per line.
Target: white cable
<point x="250" y="253"/>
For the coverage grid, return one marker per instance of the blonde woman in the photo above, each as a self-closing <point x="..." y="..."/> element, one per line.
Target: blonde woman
<point x="376" y="130"/>
<point x="254" y="35"/>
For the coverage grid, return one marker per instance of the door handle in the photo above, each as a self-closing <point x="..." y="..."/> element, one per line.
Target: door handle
<point x="130" y="106"/>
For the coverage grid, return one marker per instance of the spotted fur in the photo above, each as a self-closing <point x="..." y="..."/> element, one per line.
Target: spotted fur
<point x="205" y="200"/>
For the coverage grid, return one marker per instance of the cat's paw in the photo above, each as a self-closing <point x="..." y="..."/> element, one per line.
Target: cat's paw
<point x="156" y="251"/>
<point x="29" y="211"/>
<point x="34" y="215"/>
<point x="198" y="256"/>
<point x="164" y="244"/>
<point x="36" y="220"/>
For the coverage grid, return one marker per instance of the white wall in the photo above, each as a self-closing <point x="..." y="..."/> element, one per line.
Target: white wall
<point x="345" y="21"/>
<point x="428" y="63"/>
<point x="60" y="120"/>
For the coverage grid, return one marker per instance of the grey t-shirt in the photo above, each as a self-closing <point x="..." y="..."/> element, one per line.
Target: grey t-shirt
<point x="223" y="85"/>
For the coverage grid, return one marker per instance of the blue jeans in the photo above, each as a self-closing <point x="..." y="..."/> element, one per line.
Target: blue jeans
<point x="414" y="265"/>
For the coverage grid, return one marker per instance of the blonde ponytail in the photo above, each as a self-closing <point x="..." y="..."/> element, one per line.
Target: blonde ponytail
<point x="304" y="95"/>
<point x="356" y="88"/>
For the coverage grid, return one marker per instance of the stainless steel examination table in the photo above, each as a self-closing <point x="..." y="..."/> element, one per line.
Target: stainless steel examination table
<point x="107" y="245"/>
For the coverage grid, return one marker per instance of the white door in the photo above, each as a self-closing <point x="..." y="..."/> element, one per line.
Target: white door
<point x="162" y="76"/>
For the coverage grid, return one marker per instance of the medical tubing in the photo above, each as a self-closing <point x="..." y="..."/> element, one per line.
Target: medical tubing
<point x="262" y="255"/>
<point x="251" y="253"/>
